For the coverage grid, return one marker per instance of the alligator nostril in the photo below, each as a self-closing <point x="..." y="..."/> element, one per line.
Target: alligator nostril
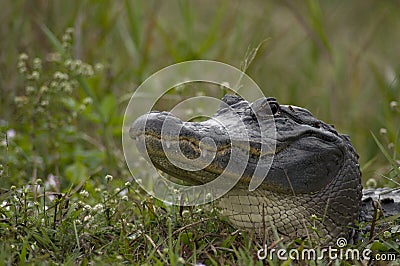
<point x="230" y="100"/>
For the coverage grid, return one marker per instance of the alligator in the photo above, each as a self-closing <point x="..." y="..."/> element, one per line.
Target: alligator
<point x="311" y="183"/>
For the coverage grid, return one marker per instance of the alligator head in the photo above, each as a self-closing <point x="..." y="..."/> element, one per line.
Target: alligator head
<point x="293" y="171"/>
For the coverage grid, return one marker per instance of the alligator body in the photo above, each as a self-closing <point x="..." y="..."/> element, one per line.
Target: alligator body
<point x="311" y="182"/>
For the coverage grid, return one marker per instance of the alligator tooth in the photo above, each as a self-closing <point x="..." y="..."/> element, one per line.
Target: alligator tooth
<point x="140" y="138"/>
<point x="168" y="144"/>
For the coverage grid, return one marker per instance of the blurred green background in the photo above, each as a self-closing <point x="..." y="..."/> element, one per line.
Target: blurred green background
<point x="339" y="59"/>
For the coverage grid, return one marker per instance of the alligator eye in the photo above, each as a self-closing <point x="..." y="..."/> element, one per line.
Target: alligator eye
<point x="265" y="107"/>
<point x="274" y="107"/>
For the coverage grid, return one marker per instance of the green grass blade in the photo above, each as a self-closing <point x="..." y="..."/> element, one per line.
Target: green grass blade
<point x="133" y="15"/>
<point x="383" y="150"/>
<point x="53" y="39"/>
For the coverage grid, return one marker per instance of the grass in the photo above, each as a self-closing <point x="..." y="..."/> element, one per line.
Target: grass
<point x="63" y="94"/>
<point x="112" y="224"/>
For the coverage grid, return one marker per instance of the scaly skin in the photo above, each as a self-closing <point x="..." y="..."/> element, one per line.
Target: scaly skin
<point x="314" y="180"/>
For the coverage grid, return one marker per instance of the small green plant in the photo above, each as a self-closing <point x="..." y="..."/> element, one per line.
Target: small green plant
<point x="53" y="106"/>
<point x="37" y="224"/>
<point x="389" y="144"/>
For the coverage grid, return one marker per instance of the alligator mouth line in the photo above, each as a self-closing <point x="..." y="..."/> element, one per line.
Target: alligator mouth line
<point x="221" y="149"/>
<point x="202" y="150"/>
<point x="241" y="144"/>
